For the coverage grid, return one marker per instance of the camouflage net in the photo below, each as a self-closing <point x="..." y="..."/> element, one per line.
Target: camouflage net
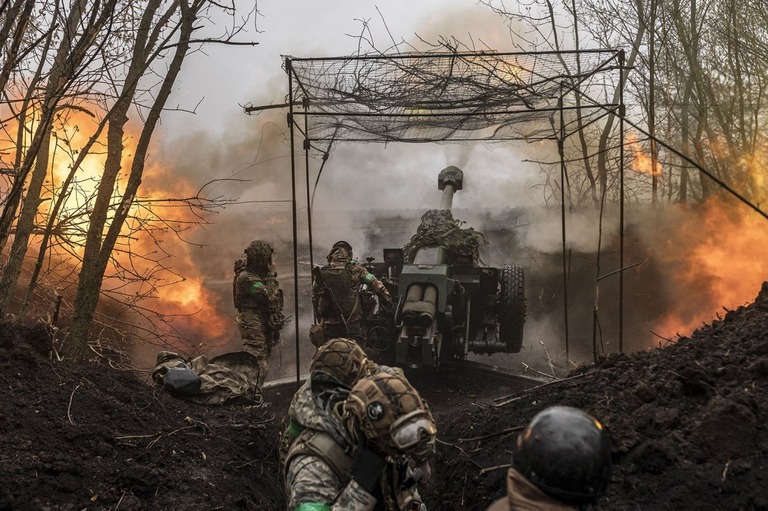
<point x="438" y="228"/>
<point x="447" y="94"/>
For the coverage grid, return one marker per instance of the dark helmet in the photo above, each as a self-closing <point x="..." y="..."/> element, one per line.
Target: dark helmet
<point x="340" y="251"/>
<point x="258" y="253"/>
<point x="343" y="359"/>
<point x="565" y="452"/>
<point x="395" y="420"/>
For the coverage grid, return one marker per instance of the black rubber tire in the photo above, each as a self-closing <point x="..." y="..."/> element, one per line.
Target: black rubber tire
<point x="511" y="313"/>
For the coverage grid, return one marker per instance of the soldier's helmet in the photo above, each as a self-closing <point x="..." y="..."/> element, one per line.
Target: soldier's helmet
<point x="565" y="452"/>
<point x="395" y="420"/>
<point x="342" y="359"/>
<point x="340" y="251"/>
<point x="258" y="253"/>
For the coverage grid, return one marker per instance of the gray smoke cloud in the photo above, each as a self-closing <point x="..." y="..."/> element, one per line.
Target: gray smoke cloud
<point x="373" y="196"/>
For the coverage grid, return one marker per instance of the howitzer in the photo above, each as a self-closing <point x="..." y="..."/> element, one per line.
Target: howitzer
<point x="448" y="304"/>
<point x="327" y="293"/>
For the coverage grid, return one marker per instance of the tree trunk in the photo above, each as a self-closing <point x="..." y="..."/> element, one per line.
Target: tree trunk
<point x="97" y="251"/>
<point x="69" y="57"/>
<point x="602" y="162"/>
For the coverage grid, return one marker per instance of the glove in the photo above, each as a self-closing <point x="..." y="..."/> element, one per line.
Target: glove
<point x="276" y="321"/>
<point x="367" y="467"/>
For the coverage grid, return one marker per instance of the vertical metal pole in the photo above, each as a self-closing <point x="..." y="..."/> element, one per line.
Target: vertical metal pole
<point x="306" y="172"/>
<point x="622" y="113"/>
<point x="561" y="149"/>
<point x="289" y="70"/>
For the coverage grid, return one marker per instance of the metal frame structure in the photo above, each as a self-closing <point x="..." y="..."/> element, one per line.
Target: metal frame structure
<point x="453" y="97"/>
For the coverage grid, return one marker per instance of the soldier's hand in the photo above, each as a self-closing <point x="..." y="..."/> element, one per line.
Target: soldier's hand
<point x="367" y="466"/>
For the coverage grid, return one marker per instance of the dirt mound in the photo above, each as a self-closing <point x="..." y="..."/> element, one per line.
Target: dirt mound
<point x="687" y="424"/>
<point x="96" y="437"/>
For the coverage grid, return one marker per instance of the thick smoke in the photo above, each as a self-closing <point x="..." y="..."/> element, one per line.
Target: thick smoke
<point x="373" y="195"/>
<point x="679" y="268"/>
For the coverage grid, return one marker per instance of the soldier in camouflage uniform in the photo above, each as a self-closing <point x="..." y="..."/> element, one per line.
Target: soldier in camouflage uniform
<point x="336" y="366"/>
<point x="336" y="294"/>
<point x="259" y="303"/>
<point x="360" y="457"/>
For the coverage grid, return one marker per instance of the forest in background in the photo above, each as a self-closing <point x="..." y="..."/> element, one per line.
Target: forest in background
<point x="86" y="82"/>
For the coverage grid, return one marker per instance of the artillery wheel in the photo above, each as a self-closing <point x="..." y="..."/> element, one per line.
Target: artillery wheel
<point x="511" y="313"/>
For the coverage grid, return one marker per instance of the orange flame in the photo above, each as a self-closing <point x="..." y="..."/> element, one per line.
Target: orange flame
<point x="642" y="161"/>
<point x="193" y="309"/>
<point x="715" y="264"/>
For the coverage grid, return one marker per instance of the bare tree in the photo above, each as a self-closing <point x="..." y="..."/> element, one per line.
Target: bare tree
<point x="703" y="56"/>
<point x="15" y="63"/>
<point x="77" y="46"/>
<point x="108" y="57"/>
<point x="172" y="31"/>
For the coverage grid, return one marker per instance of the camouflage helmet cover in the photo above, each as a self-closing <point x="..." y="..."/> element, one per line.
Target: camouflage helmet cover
<point x="340" y="251"/>
<point x="395" y="420"/>
<point x="258" y="253"/>
<point x="343" y="359"/>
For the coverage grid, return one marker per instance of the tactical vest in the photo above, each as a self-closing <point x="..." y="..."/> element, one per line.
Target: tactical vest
<point x="340" y="282"/>
<point x="322" y="445"/>
<point x="319" y="443"/>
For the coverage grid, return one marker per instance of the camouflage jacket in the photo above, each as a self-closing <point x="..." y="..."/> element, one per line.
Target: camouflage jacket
<point x="256" y="293"/>
<point x="311" y="407"/>
<point x="315" y="482"/>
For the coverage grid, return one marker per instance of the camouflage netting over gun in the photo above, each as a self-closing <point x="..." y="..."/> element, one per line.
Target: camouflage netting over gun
<point x="438" y="228"/>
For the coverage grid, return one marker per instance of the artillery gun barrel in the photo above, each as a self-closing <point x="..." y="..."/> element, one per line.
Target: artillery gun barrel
<point x="446" y="201"/>
<point x="450" y="181"/>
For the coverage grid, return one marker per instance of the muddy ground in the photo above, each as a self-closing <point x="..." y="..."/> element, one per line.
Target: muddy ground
<point x="687" y="423"/>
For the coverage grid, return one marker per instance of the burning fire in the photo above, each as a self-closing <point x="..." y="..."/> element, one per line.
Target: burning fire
<point x="191" y="308"/>
<point x="194" y="309"/>
<point x="642" y="161"/>
<point x="716" y="262"/>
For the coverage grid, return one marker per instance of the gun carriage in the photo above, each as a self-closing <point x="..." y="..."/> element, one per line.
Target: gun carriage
<point x="446" y="303"/>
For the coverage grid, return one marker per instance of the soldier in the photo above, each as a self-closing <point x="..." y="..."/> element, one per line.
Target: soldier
<point x="259" y="303"/>
<point x="361" y="456"/>
<point x="560" y="461"/>
<point x="336" y="294"/>
<point x="335" y="368"/>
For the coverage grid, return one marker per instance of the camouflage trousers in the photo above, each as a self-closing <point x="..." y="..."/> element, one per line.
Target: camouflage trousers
<point x="257" y="339"/>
